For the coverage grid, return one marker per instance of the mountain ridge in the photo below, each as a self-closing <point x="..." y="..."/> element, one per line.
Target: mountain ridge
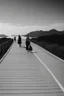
<point x="39" y="33"/>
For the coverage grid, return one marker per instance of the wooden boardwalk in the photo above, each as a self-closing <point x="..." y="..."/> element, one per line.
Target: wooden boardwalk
<point x="21" y="74"/>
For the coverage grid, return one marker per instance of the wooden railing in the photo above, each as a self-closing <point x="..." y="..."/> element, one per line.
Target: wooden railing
<point x="5" y="46"/>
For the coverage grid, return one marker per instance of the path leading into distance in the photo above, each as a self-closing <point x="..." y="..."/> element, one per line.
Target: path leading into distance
<point x="30" y="74"/>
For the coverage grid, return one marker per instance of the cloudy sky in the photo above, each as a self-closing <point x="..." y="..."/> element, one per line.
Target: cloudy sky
<point x="21" y="16"/>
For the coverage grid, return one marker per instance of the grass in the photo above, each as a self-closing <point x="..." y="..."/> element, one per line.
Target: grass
<point x="55" y="49"/>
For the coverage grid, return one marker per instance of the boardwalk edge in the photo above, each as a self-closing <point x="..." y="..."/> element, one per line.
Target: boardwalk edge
<point x="60" y="85"/>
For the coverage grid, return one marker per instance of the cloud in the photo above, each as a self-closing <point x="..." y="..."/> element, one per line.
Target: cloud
<point x="9" y="29"/>
<point x="58" y="26"/>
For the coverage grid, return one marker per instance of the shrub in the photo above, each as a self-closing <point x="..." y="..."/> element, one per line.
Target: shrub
<point x="56" y="49"/>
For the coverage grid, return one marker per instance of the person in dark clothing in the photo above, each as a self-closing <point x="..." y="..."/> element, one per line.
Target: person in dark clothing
<point x="19" y="40"/>
<point x="27" y="43"/>
<point x="30" y="48"/>
<point x="14" y="38"/>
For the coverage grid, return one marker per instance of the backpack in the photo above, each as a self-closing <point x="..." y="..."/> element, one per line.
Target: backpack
<point x="30" y="48"/>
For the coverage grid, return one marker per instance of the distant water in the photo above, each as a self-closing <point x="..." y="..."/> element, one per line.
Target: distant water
<point x="23" y="37"/>
<point x="17" y="37"/>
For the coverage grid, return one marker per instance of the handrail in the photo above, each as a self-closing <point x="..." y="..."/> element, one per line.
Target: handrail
<point x="4" y="47"/>
<point x="4" y="42"/>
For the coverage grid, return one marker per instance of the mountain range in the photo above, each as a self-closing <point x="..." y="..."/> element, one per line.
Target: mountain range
<point x="3" y="36"/>
<point x="39" y="33"/>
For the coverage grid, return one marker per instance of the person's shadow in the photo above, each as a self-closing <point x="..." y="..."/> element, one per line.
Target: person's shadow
<point x="29" y="51"/>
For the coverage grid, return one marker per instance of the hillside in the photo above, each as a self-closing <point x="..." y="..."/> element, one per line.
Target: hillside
<point x="53" y="41"/>
<point x="44" y="33"/>
<point x="3" y="36"/>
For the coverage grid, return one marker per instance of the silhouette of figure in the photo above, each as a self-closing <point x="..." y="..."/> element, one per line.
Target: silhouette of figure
<point x="30" y="48"/>
<point x="14" y="38"/>
<point x="19" y="40"/>
<point x="27" y="43"/>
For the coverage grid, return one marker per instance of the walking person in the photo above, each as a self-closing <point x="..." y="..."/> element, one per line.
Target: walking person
<point x="14" y="38"/>
<point x="19" y="40"/>
<point x="27" y="43"/>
